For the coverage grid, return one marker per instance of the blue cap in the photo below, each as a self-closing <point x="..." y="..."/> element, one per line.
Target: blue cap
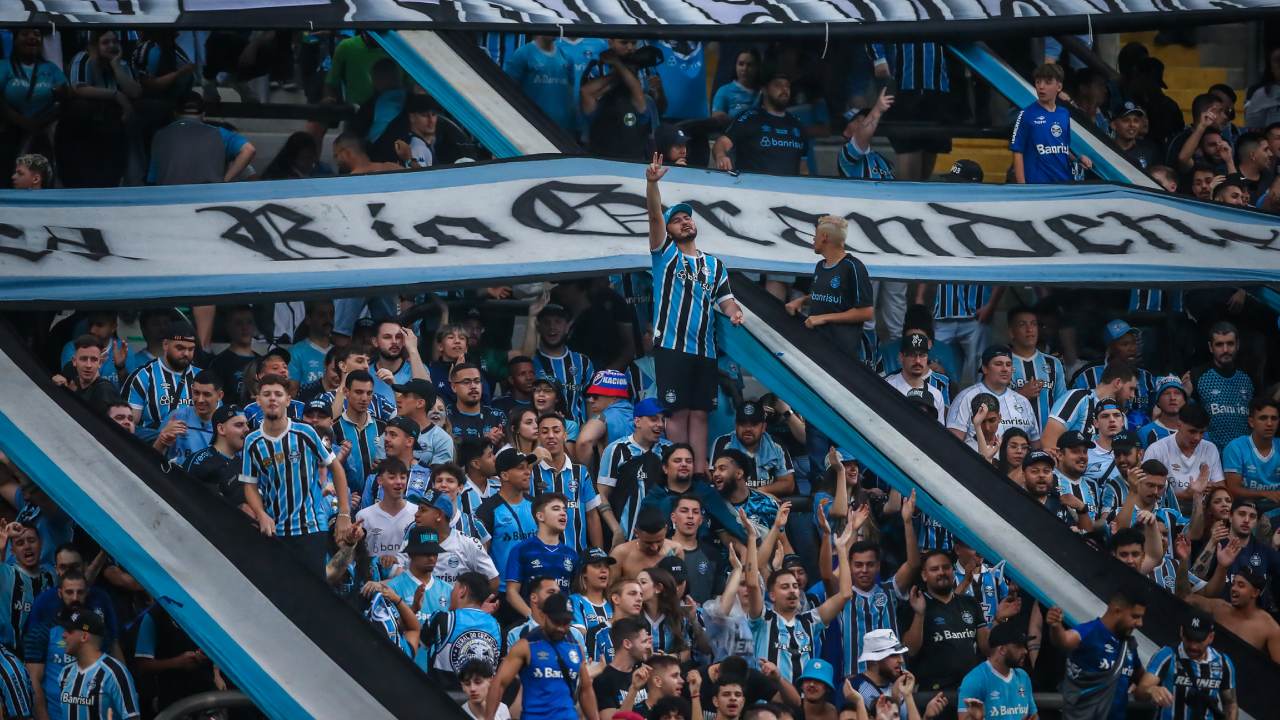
<point x="1117" y="329"/>
<point x="1169" y="382"/>
<point x="648" y="407"/>
<point x="819" y="670"/>
<point x="433" y="498"/>
<point x="845" y="455"/>
<point x="677" y="208"/>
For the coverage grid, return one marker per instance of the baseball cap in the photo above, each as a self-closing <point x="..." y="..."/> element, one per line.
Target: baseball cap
<point x="845" y="456"/>
<point x="556" y="608"/>
<point x="920" y="398"/>
<point x="819" y="670"/>
<point x="225" y="413"/>
<point x="995" y="351"/>
<point x="852" y="113"/>
<point x="752" y="411"/>
<point x="792" y="560"/>
<point x="915" y="343"/>
<point x="430" y="497"/>
<point x="510" y="458"/>
<point x="180" y="330"/>
<point x="648" y="407"/>
<point x="1169" y="382"/>
<point x="1117" y="329"/>
<point x="1038" y="456"/>
<point x="419" y="103"/>
<point x="81" y="618"/>
<point x="598" y="555"/>
<point x="318" y="405"/>
<point x="880" y="644"/>
<point x="419" y="387"/>
<point x="191" y="104"/>
<point x="405" y="425"/>
<point x="1124" y="441"/>
<point x="423" y="541"/>
<point x="1131" y="108"/>
<point x="677" y="208"/>
<point x="278" y="351"/>
<point x="1197" y="627"/>
<point x="1073" y="438"/>
<point x="964" y="171"/>
<point x="1006" y="633"/>
<point x="675" y="566"/>
<point x="554" y="310"/>
<point x="609" y="383"/>
<point x="667" y="136"/>
<point x="1253" y="577"/>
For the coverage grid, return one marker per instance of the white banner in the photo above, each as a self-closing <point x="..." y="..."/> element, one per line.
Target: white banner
<point x="556" y="217"/>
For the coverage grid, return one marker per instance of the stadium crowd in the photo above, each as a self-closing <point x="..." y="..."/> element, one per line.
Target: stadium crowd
<point x="585" y="507"/>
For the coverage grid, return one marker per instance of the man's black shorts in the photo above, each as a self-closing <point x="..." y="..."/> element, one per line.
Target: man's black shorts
<point x="685" y="381"/>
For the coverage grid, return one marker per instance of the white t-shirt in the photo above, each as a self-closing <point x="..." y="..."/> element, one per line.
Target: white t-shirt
<point x="384" y="534"/>
<point x="1015" y="411"/>
<point x="1183" y="469"/>
<point x="502" y="713"/>
<point x="899" y="383"/>
<point x="463" y="553"/>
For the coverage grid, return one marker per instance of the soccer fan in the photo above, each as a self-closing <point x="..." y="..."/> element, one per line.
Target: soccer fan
<point x="1126" y="131"/>
<point x="461" y="552"/>
<point x="856" y="159"/>
<point x="1250" y="465"/>
<point x="1074" y="489"/>
<point x="398" y="441"/>
<point x="1103" y="468"/>
<point x="1242" y="613"/>
<point x="961" y="315"/>
<point x="22" y="580"/>
<point x="545" y="73"/>
<point x="706" y="574"/>
<point x="618" y="114"/>
<point x="307" y="356"/>
<point x="557" y="473"/>
<point x="113" y="351"/>
<point x="884" y="674"/>
<point x="429" y="593"/>
<point x="979" y="580"/>
<point x="1222" y="388"/>
<point x="1123" y="345"/>
<point x="1037" y="375"/>
<point x="84" y="379"/>
<point x="649" y="547"/>
<point x="188" y="151"/>
<point x="475" y="678"/>
<point x="591" y="605"/>
<point x="414" y="399"/>
<point x="550" y="688"/>
<point x="620" y="685"/>
<point x="15" y="686"/>
<point x="469" y="417"/>
<point x="553" y="359"/>
<point x="765" y="138"/>
<point x="685" y="347"/>
<point x="1188" y="455"/>
<point x="1015" y="410"/>
<point x="1251" y="553"/>
<point x="44" y="647"/>
<point x="999" y="687"/>
<point x="774" y="473"/>
<point x="1200" y="680"/>
<point x="465" y="634"/>
<point x="95" y="685"/>
<point x="1077" y="409"/>
<point x="282" y="479"/>
<point x="189" y="428"/>
<point x="396" y="348"/>
<point x="544" y="554"/>
<point x="729" y="474"/>
<point x="31" y="171"/>
<point x="521" y="375"/>
<point x="627" y="598"/>
<point x="387" y="520"/>
<point x="158" y="388"/>
<point x="351" y="157"/>
<point x="610" y="411"/>
<point x="649" y="420"/>
<point x="508" y="512"/>
<point x="916" y="373"/>
<point x="1165" y="408"/>
<point x="1041" y="141"/>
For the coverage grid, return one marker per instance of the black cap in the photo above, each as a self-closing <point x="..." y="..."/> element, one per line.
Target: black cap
<point x="1072" y="438"/>
<point x="191" y="104"/>
<point x="405" y="425"/>
<point x="1006" y="633"/>
<point x="675" y="566"/>
<point x="1038" y="456"/>
<point x="557" y="609"/>
<point x="915" y="342"/>
<point x="1131" y="108"/>
<point x="751" y="411"/>
<point x="555" y="310"/>
<point x="423" y="541"/>
<point x="1253" y="576"/>
<point x="510" y="458"/>
<point x="996" y="351"/>
<point x="1124" y="441"/>
<point x="419" y="103"/>
<point x="318" y="405"/>
<point x="1234" y="180"/>
<point x="280" y="352"/>
<point x="77" y="618"/>
<point x="225" y="413"/>
<point x="667" y="136"/>
<point x="923" y="400"/>
<point x="1197" y="627"/>
<point x="791" y="561"/>
<point x="180" y="330"/>
<point x="417" y="386"/>
<point x="597" y="555"/>
<point x="964" y="171"/>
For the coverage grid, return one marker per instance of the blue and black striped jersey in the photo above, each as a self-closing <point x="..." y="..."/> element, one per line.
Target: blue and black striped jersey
<point x="157" y="390"/>
<point x="686" y="290"/>
<point x="286" y="470"/>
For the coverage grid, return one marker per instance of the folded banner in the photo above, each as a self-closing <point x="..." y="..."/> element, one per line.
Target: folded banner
<point x="660" y="18"/>
<point x="549" y="217"/>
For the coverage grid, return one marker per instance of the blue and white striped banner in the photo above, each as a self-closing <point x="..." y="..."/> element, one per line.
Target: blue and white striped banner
<point x="559" y="217"/>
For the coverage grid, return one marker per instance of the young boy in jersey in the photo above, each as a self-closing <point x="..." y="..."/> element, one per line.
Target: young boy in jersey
<point x="1041" y="141"/>
<point x="475" y="677"/>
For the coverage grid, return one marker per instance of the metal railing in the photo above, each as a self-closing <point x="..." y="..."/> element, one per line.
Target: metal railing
<point x="206" y="702"/>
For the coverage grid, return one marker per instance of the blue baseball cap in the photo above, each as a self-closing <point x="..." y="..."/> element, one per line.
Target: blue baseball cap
<point x="819" y="670"/>
<point x="433" y="498"/>
<point x="1117" y="329"/>
<point x="648" y="407"/>
<point x="1169" y="382"/>
<point x="677" y="208"/>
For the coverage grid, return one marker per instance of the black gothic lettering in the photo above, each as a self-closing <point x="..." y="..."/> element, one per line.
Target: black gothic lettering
<point x="713" y="213"/>
<point x="1150" y="237"/>
<point x="9" y="232"/>
<point x="387" y="231"/>
<point x="90" y="241"/>
<point x="967" y="233"/>
<point x="275" y="231"/>
<point x="477" y="234"/>
<point x="798" y="225"/>
<point x="1063" y="226"/>
<point x="553" y="197"/>
<point x="914" y="226"/>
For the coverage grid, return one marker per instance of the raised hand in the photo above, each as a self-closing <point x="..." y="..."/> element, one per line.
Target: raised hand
<point x="655" y="171"/>
<point x="1182" y="548"/>
<point x="885" y="101"/>
<point x="909" y="507"/>
<point x="917" y="600"/>
<point x="1228" y="553"/>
